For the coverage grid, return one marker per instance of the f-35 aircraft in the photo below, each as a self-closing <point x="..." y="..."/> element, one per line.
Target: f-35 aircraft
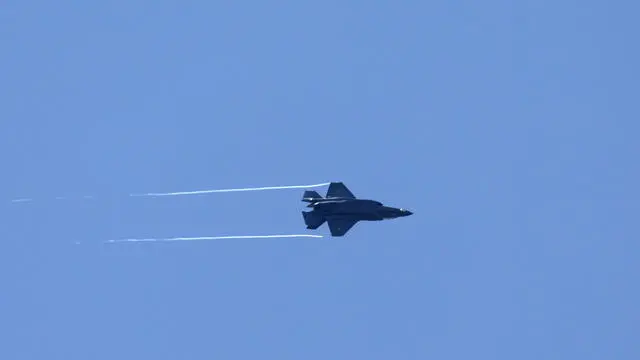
<point x="341" y="209"/>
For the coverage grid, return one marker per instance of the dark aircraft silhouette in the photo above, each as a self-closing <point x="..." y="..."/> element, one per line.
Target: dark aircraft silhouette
<point x="341" y="209"/>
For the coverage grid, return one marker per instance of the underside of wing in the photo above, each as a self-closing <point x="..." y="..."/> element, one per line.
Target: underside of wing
<point x="340" y="227"/>
<point x="338" y="189"/>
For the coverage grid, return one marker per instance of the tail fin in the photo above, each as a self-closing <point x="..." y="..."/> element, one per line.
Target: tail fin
<point x="310" y="196"/>
<point x="313" y="220"/>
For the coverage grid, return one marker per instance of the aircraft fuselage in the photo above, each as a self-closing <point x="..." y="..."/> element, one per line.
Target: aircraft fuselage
<point x="360" y="209"/>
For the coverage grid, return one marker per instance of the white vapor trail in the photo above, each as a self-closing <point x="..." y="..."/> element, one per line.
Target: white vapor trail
<point x="215" y="238"/>
<point x="232" y="190"/>
<point x="195" y="192"/>
<point x="56" y="198"/>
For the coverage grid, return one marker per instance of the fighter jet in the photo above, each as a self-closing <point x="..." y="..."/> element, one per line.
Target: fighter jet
<point x="342" y="210"/>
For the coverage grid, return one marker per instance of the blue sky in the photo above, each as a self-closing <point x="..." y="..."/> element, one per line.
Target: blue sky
<point x="509" y="128"/>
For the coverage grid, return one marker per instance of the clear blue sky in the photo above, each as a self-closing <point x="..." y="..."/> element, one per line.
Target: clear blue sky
<point x="509" y="128"/>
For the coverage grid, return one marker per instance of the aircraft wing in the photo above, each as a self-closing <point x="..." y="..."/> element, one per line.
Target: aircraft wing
<point x="340" y="227"/>
<point x="338" y="189"/>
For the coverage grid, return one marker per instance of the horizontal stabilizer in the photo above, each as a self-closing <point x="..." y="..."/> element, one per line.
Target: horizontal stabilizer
<point x="310" y="196"/>
<point x="313" y="220"/>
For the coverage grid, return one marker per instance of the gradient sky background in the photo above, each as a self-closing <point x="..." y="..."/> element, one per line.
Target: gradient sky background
<point x="509" y="128"/>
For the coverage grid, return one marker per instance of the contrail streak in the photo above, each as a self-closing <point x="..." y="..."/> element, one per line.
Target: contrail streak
<point x="56" y="198"/>
<point x="195" y="192"/>
<point x="231" y="190"/>
<point x="200" y="238"/>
